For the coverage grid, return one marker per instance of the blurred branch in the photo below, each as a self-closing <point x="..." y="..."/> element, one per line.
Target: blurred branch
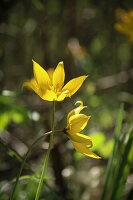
<point x="114" y="80"/>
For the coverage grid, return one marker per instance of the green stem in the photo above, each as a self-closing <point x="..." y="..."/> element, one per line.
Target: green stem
<point x="23" y="163"/>
<point x="47" y="157"/>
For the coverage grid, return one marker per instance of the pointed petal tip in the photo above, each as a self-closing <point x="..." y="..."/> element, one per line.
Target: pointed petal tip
<point x="83" y="76"/>
<point x="88" y="117"/>
<point x="61" y="62"/>
<point x="94" y="156"/>
<point x="86" y="76"/>
<point x="97" y="157"/>
<point x="33" y="61"/>
<point x="80" y="102"/>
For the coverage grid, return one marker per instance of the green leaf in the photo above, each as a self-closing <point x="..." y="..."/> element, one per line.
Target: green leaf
<point x="111" y="162"/>
<point x="124" y="168"/>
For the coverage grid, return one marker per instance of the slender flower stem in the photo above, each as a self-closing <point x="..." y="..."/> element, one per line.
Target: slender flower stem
<point x="47" y="157"/>
<point x="25" y="157"/>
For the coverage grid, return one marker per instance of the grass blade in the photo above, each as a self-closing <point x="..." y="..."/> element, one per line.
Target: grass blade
<point x="113" y="155"/>
<point x="124" y="168"/>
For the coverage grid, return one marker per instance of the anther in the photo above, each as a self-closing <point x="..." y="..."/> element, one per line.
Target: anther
<point x="57" y="85"/>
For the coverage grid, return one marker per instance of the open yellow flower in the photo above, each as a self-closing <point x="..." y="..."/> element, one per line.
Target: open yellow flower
<point x="76" y="122"/>
<point x="49" y="84"/>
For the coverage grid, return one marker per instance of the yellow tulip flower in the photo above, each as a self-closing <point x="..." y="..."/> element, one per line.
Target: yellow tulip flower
<point x="76" y="122"/>
<point x="49" y="84"/>
<point x="125" y="24"/>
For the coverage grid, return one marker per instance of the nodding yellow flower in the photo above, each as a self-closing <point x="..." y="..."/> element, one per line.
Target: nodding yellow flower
<point x="125" y="24"/>
<point x="76" y="122"/>
<point x="49" y="84"/>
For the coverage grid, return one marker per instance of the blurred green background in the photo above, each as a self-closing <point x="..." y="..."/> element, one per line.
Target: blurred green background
<point x="80" y="33"/>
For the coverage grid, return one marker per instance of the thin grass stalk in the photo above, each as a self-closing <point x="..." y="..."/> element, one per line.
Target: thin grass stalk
<point x="124" y="168"/>
<point x="113" y="155"/>
<point x="47" y="157"/>
<point x="121" y="147"/>
<point x="23" y="163"/>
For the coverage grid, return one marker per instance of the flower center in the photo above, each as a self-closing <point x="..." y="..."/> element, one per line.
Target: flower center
<point x="57" y="88"/>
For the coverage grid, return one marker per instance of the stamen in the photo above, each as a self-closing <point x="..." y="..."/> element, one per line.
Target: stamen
<point x="61" y="85"/>
<point x="57" y="85"/>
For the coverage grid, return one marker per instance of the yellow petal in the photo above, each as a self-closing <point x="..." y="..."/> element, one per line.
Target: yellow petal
<point x="80" y="138"/>
<point x="81" y="147"/>
<point x="74" y="84"/>
<point x="32" y="84"/>
<point x="59" y="76"/>
<point x="62" y="96"/>
<point x="41" y="76"/>
<point x="49" y="95"/>
<point x="122" y="28"/>
<point x="77" y="123"/>
<point x="50" y="72"/>
<point x="76" y="110"/>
